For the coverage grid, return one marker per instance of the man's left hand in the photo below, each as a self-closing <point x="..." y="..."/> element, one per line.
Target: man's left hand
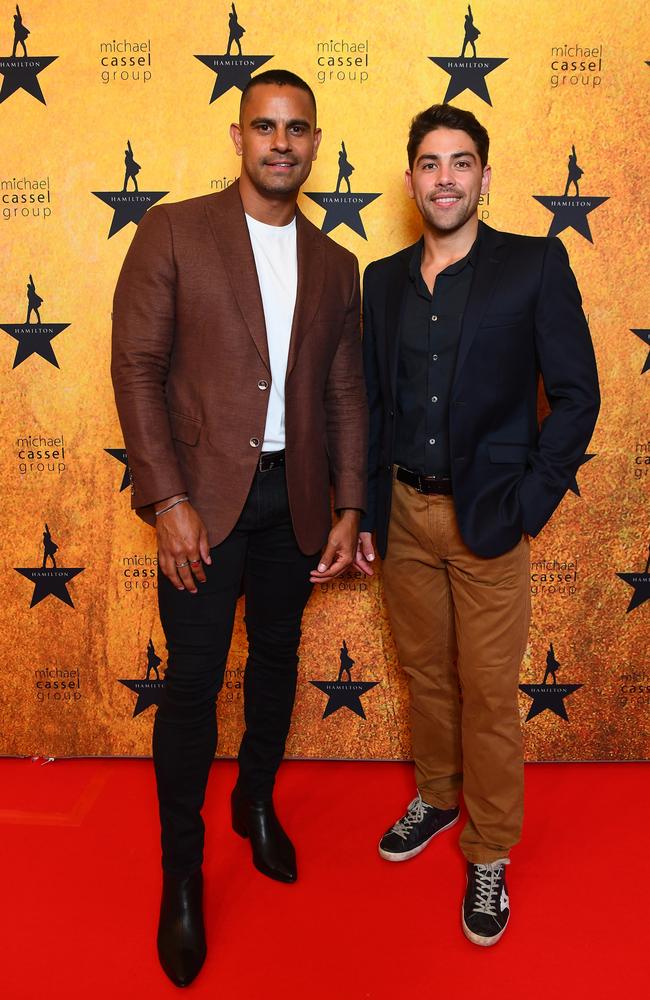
<point x="340" y="549"/>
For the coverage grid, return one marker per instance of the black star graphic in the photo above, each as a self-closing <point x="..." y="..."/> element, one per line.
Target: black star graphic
<point x="148" y="692"/>
<point x="121" y="455"/>
<point x="548" y="697"/>
<point x="128" y="206"/>
<point x="574" y="484"/>
<point x="467" y="74"/>
<point x="34" y="338"/>
<point x="570" y="213"/>
<point x="641" y="584"/>
<point x="50" y="581"/>
<point x="232" y="71"/>
<point x="644" y="335"/>
<point x="20" y="73"/>
<point x="344" y="694"/>
<point x="343" y="210"/>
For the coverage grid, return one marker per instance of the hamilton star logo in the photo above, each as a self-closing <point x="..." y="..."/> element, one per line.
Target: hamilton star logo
<point x="232" y="71"/>
<point x="640" y="582"/>
<point x="644" y="335"/>
<point x="129" y="206"/>
<point x="574" y="482"/>
<point x="344" y="692"/>
<point x="20" y="72"/>
<point x="33" y="336"/>
<point x="49" y="580"/>
<point x="343" y="208"/>
<point x="149" y="691"/>
<point x="549" y="695"/>
<point x="468" y="72"/>
<point x="570" y="211"/>
<point x="121" y="456"/>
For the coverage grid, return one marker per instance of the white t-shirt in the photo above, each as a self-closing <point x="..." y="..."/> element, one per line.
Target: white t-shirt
<point x="276" y="260"/>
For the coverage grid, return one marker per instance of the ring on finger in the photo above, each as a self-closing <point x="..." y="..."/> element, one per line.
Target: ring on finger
<point x="183" y="564"/>
<point x="195" y="562"/>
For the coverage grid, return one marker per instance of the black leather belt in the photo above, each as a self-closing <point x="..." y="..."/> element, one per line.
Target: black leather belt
<point x="424" y="484"/>
<point x="270" y="460"/>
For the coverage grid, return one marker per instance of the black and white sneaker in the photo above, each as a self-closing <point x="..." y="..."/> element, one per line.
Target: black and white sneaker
<point x="486" y="907"/>
<point x="415" y="829"/>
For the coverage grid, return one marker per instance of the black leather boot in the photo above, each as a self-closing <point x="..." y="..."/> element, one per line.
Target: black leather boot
<point x="273" y="853"/>
<point x="181" y="934"/>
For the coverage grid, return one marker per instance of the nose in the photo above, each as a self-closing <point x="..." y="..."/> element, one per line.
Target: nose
<point x="281" y="139"/>
<point x="443" y="176"/>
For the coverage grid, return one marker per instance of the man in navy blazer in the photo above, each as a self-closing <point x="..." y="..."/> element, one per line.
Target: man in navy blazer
<point x="458" y="329"/>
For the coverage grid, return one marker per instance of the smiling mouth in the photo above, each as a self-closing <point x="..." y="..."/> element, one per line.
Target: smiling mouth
<point x="446" y="199"/>
<point x="284" y="164"/>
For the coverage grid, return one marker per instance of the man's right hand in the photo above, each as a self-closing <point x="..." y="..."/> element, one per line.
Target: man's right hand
<point x="365" y="553"/>
<point x="182" y="544"/>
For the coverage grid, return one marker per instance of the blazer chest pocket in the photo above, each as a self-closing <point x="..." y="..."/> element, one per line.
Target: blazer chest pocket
<point x="502" y="319"/>
<point x="516" y="454"/>
<point x="185" y="429"/>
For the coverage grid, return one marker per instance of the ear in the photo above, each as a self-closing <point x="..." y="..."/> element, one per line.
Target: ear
<point x="408" y="182"/>
<point x="235" y="135"/>
<point x="485" y="180"/>
<point x="318" y="135"/>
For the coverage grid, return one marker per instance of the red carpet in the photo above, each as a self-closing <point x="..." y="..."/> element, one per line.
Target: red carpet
<point x="80" y="890"/>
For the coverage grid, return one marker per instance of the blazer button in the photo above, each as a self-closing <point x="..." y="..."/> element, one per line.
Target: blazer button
<point x="254" y="442"/>
<point x="262" y="384"/>
<point x="391" y="413"/>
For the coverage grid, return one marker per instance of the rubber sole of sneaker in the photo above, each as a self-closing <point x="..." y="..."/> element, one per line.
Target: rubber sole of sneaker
<point x="479" y="939"/>
<point x="407" y="855"/>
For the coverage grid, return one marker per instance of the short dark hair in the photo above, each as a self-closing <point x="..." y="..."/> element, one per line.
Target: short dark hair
<point x="278" y="78"/>
<point x="446" y="116"/>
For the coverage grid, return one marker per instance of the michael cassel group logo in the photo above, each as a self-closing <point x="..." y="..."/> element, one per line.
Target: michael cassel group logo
<point x="20" y="70"/>
<point x="343" y="208"/>
<point x="129" y="205"/>
<point x="468" y="70"/>
<point x="34" y="336"/>
<point x="49" y="578"/>
<point x="570" y="210"/>
<point x="233" y="70"/>
<point x="344" y="692"/>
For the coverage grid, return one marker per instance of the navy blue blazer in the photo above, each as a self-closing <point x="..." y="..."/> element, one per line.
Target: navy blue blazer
<point x="523" y="320"/>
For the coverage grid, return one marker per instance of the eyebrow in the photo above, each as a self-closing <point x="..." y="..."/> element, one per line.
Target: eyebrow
<point x="452" y="156"/>
<point x="272" y="121"/>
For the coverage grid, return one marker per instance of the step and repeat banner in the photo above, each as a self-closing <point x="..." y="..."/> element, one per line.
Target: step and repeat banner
<point x="108" y="109"/>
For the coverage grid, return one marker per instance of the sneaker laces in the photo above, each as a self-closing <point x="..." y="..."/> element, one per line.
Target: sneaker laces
<point x="414" y="814"/>
<point x="487" y="886"/>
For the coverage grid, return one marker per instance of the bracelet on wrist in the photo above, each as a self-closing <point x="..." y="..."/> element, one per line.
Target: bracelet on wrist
<point x="165" y="510"/>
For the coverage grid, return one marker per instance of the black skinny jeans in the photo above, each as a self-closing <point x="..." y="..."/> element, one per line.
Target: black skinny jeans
<point x="262" y="555"/>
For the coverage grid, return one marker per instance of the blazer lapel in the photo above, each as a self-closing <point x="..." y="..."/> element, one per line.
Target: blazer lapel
<point x="395" y="303"/>
<point x="228" y="225"/>
<point x="311" y="280"/>
<point x="490" y="259"/>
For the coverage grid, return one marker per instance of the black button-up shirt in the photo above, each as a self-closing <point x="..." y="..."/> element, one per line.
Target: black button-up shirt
<point x="429" y="337"/>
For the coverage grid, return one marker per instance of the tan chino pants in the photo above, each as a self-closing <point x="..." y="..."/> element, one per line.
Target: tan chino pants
<point x="460" y="624"/>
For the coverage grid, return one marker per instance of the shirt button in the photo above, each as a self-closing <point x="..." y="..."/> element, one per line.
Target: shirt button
<point x="435" y="357"/>
<point x="254" y="442"/>
<point x="432" y="440"/>
<point x="262" y="384"/>
<point x="434" y="319"/>
<point x="434" y="399"/>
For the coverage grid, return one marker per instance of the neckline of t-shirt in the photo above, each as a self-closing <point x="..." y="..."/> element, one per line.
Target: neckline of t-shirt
<point x="271" y="230"/>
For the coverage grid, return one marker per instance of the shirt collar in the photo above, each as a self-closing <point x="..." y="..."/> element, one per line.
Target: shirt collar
<point x="458" y="265"/>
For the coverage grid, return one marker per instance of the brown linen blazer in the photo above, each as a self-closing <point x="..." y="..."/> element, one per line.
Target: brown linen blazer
<point x="191" y="369"/>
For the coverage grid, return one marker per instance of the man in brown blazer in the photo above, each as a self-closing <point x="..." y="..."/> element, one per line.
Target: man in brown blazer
<point x="239" y="385"/>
